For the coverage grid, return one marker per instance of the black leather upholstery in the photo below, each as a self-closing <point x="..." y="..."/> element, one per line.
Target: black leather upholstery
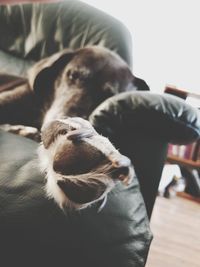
<point x="161" y="116"/>
<point x="35" y="232"/>
<point x="141" y="124"/>
<point x="35" y="31"/>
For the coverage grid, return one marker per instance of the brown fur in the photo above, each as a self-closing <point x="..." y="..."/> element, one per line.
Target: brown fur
<point x="69" y="83"/>
<point x="81" y="165"/>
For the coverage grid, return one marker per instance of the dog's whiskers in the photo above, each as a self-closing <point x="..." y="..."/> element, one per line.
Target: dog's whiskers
<point x="102" y="204"/>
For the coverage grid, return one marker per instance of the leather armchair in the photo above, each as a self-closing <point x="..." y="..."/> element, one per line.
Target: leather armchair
<point x="33" y="230"/>
<point x="34" y="31"/>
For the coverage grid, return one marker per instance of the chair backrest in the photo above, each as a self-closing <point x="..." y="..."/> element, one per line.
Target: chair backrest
<point x="35" y="30"/>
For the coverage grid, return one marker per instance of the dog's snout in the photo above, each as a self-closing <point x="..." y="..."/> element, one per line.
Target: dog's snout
<point x="123" y="169"/>
<point x="121" y="173"/>
<point x="120" y="161"/>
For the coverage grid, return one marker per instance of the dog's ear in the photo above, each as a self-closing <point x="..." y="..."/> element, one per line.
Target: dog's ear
<point x="135" y="82"/>
<point x="43" y="73"/>
<point x="140" y="84"/>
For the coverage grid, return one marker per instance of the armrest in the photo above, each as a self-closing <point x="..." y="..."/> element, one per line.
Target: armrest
<point x="141" y="124"/>
<point x="165" y="117"/>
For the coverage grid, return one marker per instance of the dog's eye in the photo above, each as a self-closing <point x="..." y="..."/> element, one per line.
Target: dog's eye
<point x="78" y="75"/>
<point x="73" y="75"/>
<point x="62" y="132"/>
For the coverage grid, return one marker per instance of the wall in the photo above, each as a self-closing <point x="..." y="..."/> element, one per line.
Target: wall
<point x="166" y="39"/>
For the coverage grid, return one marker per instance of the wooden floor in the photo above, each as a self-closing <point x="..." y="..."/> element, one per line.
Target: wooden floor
<point x="176" y="227"/>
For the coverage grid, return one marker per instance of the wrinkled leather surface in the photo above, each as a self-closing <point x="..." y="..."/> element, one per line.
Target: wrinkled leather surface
<point x="141" y="124"/>
<point x="164" y="116"/>
<point x="33" y="31"/>
<point x="35" y="232"/>
<point x="14" y="65"/>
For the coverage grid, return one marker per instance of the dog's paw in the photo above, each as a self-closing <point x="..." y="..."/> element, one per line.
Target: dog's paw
<point x="26" y="131"/>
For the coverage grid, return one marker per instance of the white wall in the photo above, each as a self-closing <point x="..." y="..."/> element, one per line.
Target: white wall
<point x="166" y="39"/>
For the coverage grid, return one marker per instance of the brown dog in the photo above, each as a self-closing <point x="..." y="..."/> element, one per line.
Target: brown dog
<point x="81" y="166"/>
<point x="69" y="83"/>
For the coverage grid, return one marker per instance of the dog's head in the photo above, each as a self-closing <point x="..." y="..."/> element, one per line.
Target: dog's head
<point x="80" y="80"/>
<point x="81" y="165"/>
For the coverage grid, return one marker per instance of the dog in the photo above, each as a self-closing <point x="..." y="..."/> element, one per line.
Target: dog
<point x="68" y="83"/>
<point x="81" y="166"/>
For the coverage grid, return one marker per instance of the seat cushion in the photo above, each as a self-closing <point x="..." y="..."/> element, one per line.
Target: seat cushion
<point x="35" y="232"/>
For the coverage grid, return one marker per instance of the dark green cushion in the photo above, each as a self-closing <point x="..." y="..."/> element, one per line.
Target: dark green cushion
<point x="35" y="232"/>
<point x="141" y="124"/>
<point x="162" y="116"/>
<point x="34" y="31"/>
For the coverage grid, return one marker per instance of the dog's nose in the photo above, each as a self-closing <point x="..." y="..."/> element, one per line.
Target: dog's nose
<point x="123" y="169"/>
<point x="120" y="161"/>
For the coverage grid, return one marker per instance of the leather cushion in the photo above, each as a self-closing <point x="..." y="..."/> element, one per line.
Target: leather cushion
<point x="36" y="30"/>
<point x="35" y="232"/>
